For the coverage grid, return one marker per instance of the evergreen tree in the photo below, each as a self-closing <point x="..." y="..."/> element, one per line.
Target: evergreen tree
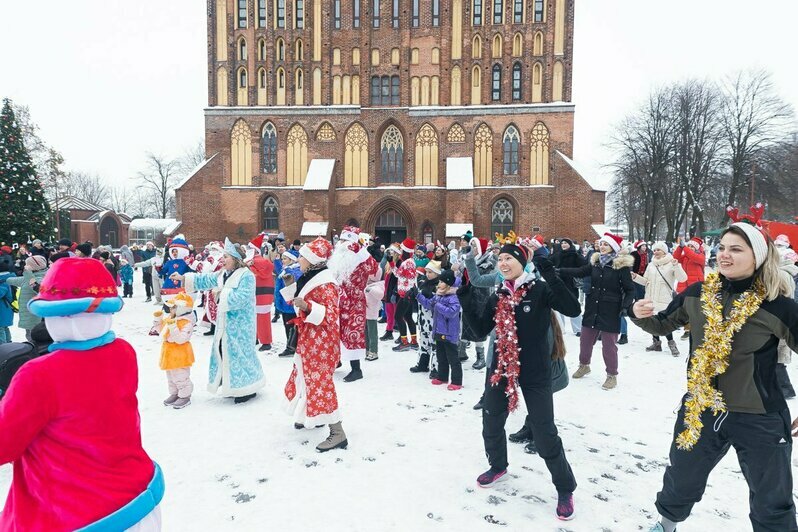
<point x="25" y="214"/>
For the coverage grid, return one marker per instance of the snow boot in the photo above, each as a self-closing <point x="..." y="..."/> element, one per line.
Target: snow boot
<point x="490" y="477"/>
<point x="522" y="436"/>
<point x="387" y="336"/>
<point x="169" y="401"/>
<point x="531" y="448"/>
<point x="686" y="335"/>
<point x="371" y="356"/>
<point x="276" y="317"/>
<point x="181" y="403"/>
<point x="610" y="383"/>
<point x="401" y="345"/>
<point x="356" y="373"/>
<point x="673" y="348"/>
<point x="565" y="506"/>
<point x="336" y="439"/>
<point x="210" y="331"/>
<point x="418" y="368"/>
<point x="623" y="340"/>
<point x="244" y="399"/>
<point x="480" y="363"/>
<point x="461" y="351"/>
<point x="664" y="525"/>
<point x="583" y="370"/>
<point x="265" y="347"/>
<point x="656" y="345"/>
<point x="478" y="406"/>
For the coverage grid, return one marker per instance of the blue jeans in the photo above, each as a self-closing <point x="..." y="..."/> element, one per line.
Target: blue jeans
<point x="624" y="325"/>
<point x="5" y="335"/>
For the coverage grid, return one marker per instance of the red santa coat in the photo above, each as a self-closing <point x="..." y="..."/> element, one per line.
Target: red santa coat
<point x="77" y="455"/>
<point x="353" y="306"/>
<point x="693" y="263"/>
<point x="263" y="269"/>
<point x="310" y="390"/>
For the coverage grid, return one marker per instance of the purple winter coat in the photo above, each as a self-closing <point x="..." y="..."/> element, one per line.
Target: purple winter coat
<point x="445" y="315"/>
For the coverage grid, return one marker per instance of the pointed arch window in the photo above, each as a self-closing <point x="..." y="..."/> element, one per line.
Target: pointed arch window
<point x="537" y="83"/>
<point x="517" y="92"/>
<point x="502" y="217"/>
<point x="392" y="155"/>
<point x="241" y="94"/>
<point x="557" y="82"/>
<point x="518" y="45"/>
<point x="268" y="143"/>
<point x="242" y="49"/>
<point x="280" y="86"/>
<point x="427" y="234"/>
<point x="299" y="50"/>
<point x="476" y="47"/>
<point x="426" y="156"/>
<point x="262" y="50"/>
<point x="539" y="156"/>
<point x="271" y="214"/>
<point x="240" y="155"/>
<point x="496" y="83"/>
<point x="456" y="134"/>
<point x="483" y="156"/>
<point x="456" y="86"/>
<point x="511" y="146"/>
<point x="296" y="156"/>
<point x="537" y="44"/>
<point x="498" y="45"/>
<point x="299" y="87"/>
<point x="356" y="157"/>
<point x="280" y="50"/>
<point x="476" y="85"/>
<point x="262" y="92"/>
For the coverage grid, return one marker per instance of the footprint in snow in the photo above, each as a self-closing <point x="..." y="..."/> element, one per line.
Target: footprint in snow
<point x="608" y="476"/>
<point x="434" y="517"/>
<point x="242" y="497"/>
<point x="222" y="478"/>
<point x="494" y="500"/>
<point x="492" y="520"/>
<point x="369" y="459"/>
<point x="592" y="450"/>
<point x="398" y="444"/>
<point x="534" y="498"/>
<point x="601" y="497"/>
<point x="311" y="464"/>
<point x="263" y="480"/>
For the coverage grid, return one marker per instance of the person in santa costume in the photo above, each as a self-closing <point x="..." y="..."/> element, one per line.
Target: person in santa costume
<point x="177" y="262"/>
<point x="353" y="268"/>
<point x="310" y="390"/>
<point x="235" y="370"/>
<point x="263" y="269"/>
<point x="406" y="287"/>
<point x="69" y="421"/>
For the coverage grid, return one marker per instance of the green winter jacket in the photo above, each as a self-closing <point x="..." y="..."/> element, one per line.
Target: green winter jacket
<point x="27" y="320"/>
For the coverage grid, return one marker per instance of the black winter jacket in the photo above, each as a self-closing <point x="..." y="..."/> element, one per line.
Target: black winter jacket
<point x="533" y="322"/>
<point x="611" y="291"/>
<point x="472" y="295"/>
<point x="570" y="259"/>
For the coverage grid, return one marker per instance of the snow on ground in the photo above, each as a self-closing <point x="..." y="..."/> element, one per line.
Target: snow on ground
<point x="415" y="450"/>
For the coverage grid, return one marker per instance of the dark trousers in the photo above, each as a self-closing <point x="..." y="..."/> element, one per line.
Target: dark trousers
<point x="540" y="406"/>
<point x="288" y="327"/>
<point x="127" y="289"/>
<point x="763" y="444"/>
<point x="147" y="280"/>
<point x="668" y="336"/>
<point x="448" y="357"/>
<point x="404" y="317"/>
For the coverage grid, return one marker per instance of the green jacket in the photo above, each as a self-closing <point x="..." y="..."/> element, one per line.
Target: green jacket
<point x="26" y="293"/>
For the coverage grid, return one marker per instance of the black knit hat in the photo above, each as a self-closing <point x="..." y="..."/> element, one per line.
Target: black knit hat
<point x="65" y="242"/>
<point x="447" y="277"/>
<point x="517" y="252"/>
<point x="85" y="248"/>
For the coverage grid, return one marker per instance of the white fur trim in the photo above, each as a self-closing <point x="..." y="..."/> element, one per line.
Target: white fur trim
<point x="406" y="250"/>
<point x="611" y="242"/>
<point x="317" y="313"/>
<point x="314" y="259"/>
<point x="263" y="309"/>
<point x="758" y="242"/>
<point x="348" y="355"/>
<point x="319" y="279"/>
<point x="297" y="407"/>
<point x="349" y="236"/>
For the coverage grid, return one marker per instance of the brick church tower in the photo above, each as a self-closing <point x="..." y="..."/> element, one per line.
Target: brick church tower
<point x="405" y="117"/>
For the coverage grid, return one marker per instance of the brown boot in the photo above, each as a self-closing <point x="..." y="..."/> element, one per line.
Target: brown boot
<point x="673" y="348"/>
<point x="610" y="383"/>
<point x="583" y="370"/>
<point x="336" y="439"/>
<point x="655" y="346"/>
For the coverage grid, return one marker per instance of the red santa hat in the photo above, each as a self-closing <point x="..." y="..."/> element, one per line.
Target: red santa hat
<point x="614" y="241"/>
<point x="697" y="241"/>
<point x="536" y="242"/>
<point x="408" y="245"/>
<point x="639" y="243"/>
<point x="317" y="252"/>
<point x="74" y="285"/>
<point x="257" y="242"/>
<point x="479" y="246"/>
<point x="350" y="234"/>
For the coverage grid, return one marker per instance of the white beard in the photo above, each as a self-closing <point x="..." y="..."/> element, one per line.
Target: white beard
<point x="78" y="327"/>
<point x="343" y="262"/>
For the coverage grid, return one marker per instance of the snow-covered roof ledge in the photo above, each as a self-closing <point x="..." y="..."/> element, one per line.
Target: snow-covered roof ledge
<point x="172" y="229"/>
<point x="156" y="224"/>
<point x="319" y="174"/>
<point x="459" y="173"/>
<point x="314" y="229"/>
<point x="196" y="169"/>
<point x="458" y="230"/>
<point x="590" y="180"/>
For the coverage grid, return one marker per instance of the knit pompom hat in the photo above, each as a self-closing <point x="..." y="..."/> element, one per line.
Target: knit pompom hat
<point x="660" y="245"/>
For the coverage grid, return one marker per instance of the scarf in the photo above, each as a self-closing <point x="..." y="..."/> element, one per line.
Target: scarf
<point x="606" y="259"/>
<point x="508" y="366"/>
<point x="643" y="263"/>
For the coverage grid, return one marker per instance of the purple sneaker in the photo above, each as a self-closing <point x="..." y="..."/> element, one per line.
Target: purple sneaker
<point x="490" y="477"/>
<point x="565" y="506"/>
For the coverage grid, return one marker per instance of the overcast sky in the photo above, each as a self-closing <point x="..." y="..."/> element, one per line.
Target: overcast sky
<point x="109" y="80"/>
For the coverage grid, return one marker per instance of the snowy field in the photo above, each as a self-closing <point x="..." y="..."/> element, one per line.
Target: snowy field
<point x="415" y="450"/>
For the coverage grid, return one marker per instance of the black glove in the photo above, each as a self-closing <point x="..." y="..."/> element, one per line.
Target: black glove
<point x="543" y="265"/>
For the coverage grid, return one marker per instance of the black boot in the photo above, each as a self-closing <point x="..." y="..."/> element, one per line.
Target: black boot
<point x="480" y="363"/>
<point x="211" y="331"/>
<point x="244" y="399"/>
<point x="387" y="336"/>
<point x="422" y="366"/>
<point x="461" y="351"/>
<point x="522" y="436"/>
<point x="355" y="374"/>
<point x="531" y="448"/>
<point x="265" y="347"/>
<point x="623" y="340"/>
<point x="478" y="406"/>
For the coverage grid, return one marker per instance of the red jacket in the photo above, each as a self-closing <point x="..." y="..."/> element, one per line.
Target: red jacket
<point x="263" y="269"/>
<point x="693" y="263"/>
<point x="70" y="424"/>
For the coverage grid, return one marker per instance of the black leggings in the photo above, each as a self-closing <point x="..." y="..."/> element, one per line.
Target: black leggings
<point x="669" y="336"/>
<point x="404" y="317"/>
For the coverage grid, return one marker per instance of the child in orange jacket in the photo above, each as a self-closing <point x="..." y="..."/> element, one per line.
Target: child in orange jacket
<point x="177" y="355"/>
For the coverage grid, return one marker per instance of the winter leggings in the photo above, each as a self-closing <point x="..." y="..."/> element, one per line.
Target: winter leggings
<point x="763" y="444"/>
<point x="390" y="316"/>
<point x="541" y="418"/>
<point x="127" y="289"/>
<point x="147" y="280"/>
<point x="576" y="323"/>
<point x="371" y="336"/>
<point x="5" y="335"/>
<point x="608" y="348"/>
<point x="404" y="317"/>
<point x="180" y="382"/>
<point x="448" y="357"/>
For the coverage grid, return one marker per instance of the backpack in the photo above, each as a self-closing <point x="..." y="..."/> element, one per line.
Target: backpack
<point x="12" y="357"/>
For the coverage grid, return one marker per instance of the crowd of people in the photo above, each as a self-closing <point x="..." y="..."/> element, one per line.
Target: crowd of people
<point x="512" y="298"/>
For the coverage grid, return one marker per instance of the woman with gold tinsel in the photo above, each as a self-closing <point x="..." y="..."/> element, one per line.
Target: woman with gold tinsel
<point x="737" y="317"/>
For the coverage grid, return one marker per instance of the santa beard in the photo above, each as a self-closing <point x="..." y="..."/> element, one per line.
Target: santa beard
<point x="343" y="262"/>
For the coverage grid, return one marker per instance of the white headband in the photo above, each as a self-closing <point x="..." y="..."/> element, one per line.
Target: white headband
<point x="758" y="242"/>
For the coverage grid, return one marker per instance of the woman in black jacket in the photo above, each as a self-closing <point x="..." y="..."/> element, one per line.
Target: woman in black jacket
<point x="520" y="311"/>
<point x="570" y="258"/>
<point x="611" y="292"/>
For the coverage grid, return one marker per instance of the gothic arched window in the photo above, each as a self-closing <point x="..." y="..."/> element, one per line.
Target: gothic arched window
<point x="501" y="219"/>
<point x="392" y="155"/>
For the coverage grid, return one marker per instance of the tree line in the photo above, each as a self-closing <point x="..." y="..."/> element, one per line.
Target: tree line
<point x="696" y="146"/>
<point x="150" y="195"/>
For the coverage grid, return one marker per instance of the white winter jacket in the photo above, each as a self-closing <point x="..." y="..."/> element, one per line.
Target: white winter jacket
<point x="660" y="280"/>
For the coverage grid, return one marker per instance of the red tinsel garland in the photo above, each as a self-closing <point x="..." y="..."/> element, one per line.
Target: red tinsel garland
<point x="508" y="366"/>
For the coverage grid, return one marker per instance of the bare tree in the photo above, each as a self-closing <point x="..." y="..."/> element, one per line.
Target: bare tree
<point x="192" y="157"/>
<point x="134" y="202"/>
<point x="160" y="178"/>
<point x="85" y="186"/>
<point x="754" y="118"/>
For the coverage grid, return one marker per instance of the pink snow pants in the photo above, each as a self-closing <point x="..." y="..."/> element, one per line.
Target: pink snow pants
<point x="180" y="382"/>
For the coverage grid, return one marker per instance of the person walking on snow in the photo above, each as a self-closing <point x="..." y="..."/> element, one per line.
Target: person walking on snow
<point x="263" y="269"/>
<point x="445" y="309"/>
<point x="375" y="291"/>
<point x="177" y="354"/>
<point x="661" y="276"/>
<point x="406" y="276"/>
<point x="353" y="267"/>
<point x="310" y="391"/>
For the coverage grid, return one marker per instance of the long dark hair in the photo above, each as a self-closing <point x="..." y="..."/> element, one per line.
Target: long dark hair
<point x="558" y="348"/>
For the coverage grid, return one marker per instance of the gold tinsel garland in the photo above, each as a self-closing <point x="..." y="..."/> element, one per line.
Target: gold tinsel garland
<point x="712" y="357"/>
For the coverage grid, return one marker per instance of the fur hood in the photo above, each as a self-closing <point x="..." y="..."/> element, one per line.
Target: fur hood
<point x="622" y="260"/>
